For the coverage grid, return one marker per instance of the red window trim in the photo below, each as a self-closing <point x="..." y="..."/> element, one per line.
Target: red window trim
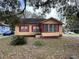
<point x="33" y="26"/>
<point x="23" y="25"/>
<point x="57" y="27"/>
<point x="42" y="27"/>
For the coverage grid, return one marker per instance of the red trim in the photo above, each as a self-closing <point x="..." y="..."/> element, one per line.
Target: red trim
<point x="32" y="27"/>
<point x="19" y="28"/>
<point x="57" y="28"/>
<point x="35" y="25"/>
<point x="42" y="27"/>
<point x="28" y="28"/>
<point x="25" y="30"/>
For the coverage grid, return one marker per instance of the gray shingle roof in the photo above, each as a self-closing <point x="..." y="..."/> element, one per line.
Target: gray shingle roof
<point x="31" y="20"/>
<point x="37" y="20"/>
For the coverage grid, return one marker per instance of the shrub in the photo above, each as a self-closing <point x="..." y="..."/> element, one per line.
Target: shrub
<point x="18" y="40"/>
<point x="38" y="43"/>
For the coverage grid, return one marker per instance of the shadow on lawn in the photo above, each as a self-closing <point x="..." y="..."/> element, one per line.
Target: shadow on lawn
<point x="18" y="40"/>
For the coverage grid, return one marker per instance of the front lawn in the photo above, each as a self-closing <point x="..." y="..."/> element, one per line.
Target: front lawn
<point x="52" y="49"/>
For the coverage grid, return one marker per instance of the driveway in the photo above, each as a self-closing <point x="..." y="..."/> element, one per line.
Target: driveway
<point x="70" y="36"/>
<point x="3" y="36"/>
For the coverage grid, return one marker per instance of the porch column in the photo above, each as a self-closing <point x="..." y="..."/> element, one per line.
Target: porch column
<point x="42" y="27"/>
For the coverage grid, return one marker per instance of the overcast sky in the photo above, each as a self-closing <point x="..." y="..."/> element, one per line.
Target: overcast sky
<point x="53" y="12"/>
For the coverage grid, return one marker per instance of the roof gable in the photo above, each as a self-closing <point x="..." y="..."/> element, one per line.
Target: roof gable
<point x="52" y="19"/>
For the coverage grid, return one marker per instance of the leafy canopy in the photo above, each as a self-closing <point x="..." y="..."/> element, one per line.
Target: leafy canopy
<point x="62" y="6"/>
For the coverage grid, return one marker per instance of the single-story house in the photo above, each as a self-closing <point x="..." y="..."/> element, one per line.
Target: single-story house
<point x="39" y="27"/>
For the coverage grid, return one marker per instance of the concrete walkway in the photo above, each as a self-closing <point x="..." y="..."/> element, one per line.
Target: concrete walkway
<point x="71" y="35"/>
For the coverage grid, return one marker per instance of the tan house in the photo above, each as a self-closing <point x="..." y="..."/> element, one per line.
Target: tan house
<point x="39" y="27"/>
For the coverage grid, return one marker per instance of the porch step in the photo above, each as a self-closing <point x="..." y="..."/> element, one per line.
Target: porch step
<point x="38" y="36"/>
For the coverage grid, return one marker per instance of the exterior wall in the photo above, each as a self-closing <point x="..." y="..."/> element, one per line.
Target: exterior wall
<point x="60" y="30"/>
<point x="42" y="33"/>
<point x="25" y="33"/>
<point x="52" y="33"/>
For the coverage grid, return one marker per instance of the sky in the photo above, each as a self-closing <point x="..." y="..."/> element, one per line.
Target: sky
<point x="53" y="12"/>
<point x="21" y="3"/>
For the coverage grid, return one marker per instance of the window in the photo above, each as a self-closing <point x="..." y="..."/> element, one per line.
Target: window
<point x="46" y="28"/>
<point x="35" y="29"/>
<point x="24" y="28"/>
<point x="50" y="28"/>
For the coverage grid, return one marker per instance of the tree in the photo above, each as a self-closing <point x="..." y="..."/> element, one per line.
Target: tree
<point x="67" y="8"/>
<point x="73" y="24"/>
<point x="11" y="21"/>
<point x="9" y="11"/>
<point x="46" y="5"/>
<point x="64" y="7"/>
<point x="11" y="6"/>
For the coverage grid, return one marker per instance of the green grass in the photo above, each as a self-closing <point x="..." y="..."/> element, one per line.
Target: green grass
<point x="39" y="43"/>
